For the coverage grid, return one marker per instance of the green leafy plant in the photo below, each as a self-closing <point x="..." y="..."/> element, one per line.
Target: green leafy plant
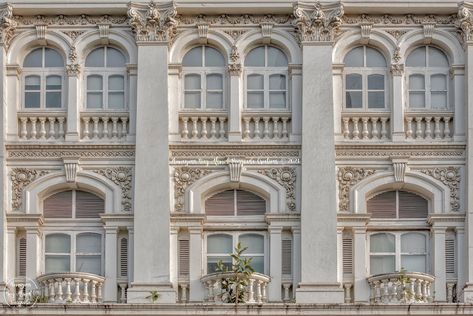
<point x="233" y="286"/>
<point x="153" y="296"/>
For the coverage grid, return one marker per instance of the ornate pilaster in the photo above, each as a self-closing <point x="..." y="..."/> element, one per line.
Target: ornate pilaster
<point x="7" y="24"/>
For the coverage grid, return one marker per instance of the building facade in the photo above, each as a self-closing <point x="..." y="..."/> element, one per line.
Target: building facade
<point x="142" y="141"/>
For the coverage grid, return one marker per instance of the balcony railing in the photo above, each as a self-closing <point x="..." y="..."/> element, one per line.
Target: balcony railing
<point x="255" y="292"/>
<point x="399" y="287"/>
<point x="429" y="126"/>
<point x="72" y="287"/>
<point x="104" y="126"/>
<point x="47" y="126"/>
<point x="203" y="126"/>
<point x="272" y="126"/>
<point x="366" y="126"/>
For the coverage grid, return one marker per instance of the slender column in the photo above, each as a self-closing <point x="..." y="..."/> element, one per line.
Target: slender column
<point x="11" y="83"/>
<point x="296" y="258"/>
<point x="459" y="117"/>
<point x="361" y="288"/>
<point x="338" y="100"/>
<point x="275" y="263"/>
<point x="461" y="257"/>
<point x="110" y="287"/>
<point x="132" y="78"/>
<point x="439" y="264"/>
<point x="173" y="256"/>
<point x="174" y="102"/>
<point x="340" y="254"/>
<point x="196" y="290"/>
<point x="10" y="269"/>
<point x="73" y="106"/>
<point x="234" y="120"/>
<point x="397" y="108"/>
<point x="131" y="249"/>
<point x="295" y="71"/>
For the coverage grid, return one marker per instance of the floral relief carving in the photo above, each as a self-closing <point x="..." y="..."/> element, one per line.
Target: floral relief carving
<point x="7" y="24"/>
<point x="73" y="35"/>
<point x="123" y="177"/>
<point x="21" y="178"/>
<point x="407" y="19"/>
<point x="450" y="176"/>
<point x="73" y="70"/>
<point x="347" y="178"/>
<point x="286" y="177"/>
<point x="183" y="178"/>
<point x="82" y="20"/>
<point x="464" y="23"/>
<point x="235" y="19"/>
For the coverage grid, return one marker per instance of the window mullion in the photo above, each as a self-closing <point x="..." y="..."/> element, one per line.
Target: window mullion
<point x="266" y="89"/>
<point x="428" y="91"/>
<point x="397" y="251"/>
<point x="105" y="91"/>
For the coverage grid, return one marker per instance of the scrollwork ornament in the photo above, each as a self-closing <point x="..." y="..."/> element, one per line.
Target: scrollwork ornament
<point x="21" y="178"/>
<point x="183" y="178"/>
<point x="347" y="178"/>
<point x="73" y="70"/>
<point x="122" y="177"/>
<point x="450" y="176"/>
<point x="286" y="177"/>
<point x="7" y="24"/>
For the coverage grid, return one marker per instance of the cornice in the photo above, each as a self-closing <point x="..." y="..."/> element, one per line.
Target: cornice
<point x="446" y="218"/>
<point x="18" y="217"/>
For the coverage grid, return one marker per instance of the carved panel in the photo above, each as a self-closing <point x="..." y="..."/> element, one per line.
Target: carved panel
<point x="347" y="178"/>
<point x="123" y="177"/>
<point x="286" y="177"/>
<point x="183" y="178"/>
<point x="21" y="178"/>
<point x="450" y="176"/>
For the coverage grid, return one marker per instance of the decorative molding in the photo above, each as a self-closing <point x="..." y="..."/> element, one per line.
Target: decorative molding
<point x="73" y="70"/>
<point x="397" y="55"/>
<point x="450" y="176"/>
<point x="428" y="32"/>
<point x="235" y="19"/>
<point x="104" y="32"/>
<point x="41" y="30"/>
<point x="266" y="29"/>
<point x="71" y="166"/>
<point x="397" y="19"/>
<point x="153" y="22"/>
<point x="317" y="23"/>
<point x="73" y="35"/>
<point x="235" y="34"/>
<point x="464" y="23"/>
<point x="19" y="152"/>
<point x="366" y="32"/>
<point x="399" y="168"/>
<point x="65" y="20"/>
<point x="203" y="31"/>
<point x="234" y="69"/>
<point x="183" y="178"/>
<point x="235" y="168"/>
<point x="21" y="178"/>
<point x="7" y="24"/>
<point x="73" y="54"/>
<point x="286" y="177"/>
<point x="235" y="54"/>
<point x="397" y="69"/>
<point x="397" y="34"/>
<point x="347" y="178"/>
<point x="123" y="177"/>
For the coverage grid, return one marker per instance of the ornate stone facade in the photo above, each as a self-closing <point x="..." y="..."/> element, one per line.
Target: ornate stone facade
<point x="21" y="178"/>
<point x="153" y="21"/>
<point x="183" y="178"/>
<point x="347" y="178"/>
<point x="123" y="177"/>
<point x="450" y="176"/>
<point x="286" y="177"/>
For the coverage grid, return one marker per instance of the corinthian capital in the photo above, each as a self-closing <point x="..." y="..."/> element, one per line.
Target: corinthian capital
<point x="7" y="24"/>
<point x="465" y="21"/>
<point x="317" y="23"/>
<point x="153" y="22"/>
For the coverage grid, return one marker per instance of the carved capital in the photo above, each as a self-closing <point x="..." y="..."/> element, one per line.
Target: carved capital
<point x="464" y="21"/>
<point x="7" y="24"/>
<point x="347" y="178"/>
<point x="183" y="178"/>
<point x="153" y="22"/>
<point x="122" y="177"/>
<point x="317" y="23"/>
<point x="286" y="177"/>
<point x="73" y="70"/>
<point x="234" y="69"/>
<point x="450" y="176"/>
<point x="397" y="69"/>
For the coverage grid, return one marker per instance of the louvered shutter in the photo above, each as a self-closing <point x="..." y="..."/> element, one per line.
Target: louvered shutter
<point x="347" y="248"/>
<point x="88" y="205"/>
<point x="412" y="206"/>
<point x="249" y="204"/>
<point x="383" y="205"/>
<point x="183" y="257"/>
<point x="58" y="205"/>
<point x="21" y="257"/>
<point x="286" y="247"/>
<point x="222" y="203"/>
<point x="450" y="255"/>
<point x="123" y="257"/>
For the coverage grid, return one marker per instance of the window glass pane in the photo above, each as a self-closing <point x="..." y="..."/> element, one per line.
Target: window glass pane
<point x="254" y="242"/>
<point x="52" y="58"/>
<point x="376" y="82"/>
<point x="416" y="99"/>
<point x="214" y="82"/>
<point x="34" y="59"/>
<point x="115" y="58"/>
<point x="277" y="99"/>
<point x="90" y="264"/>
<point x="353" y="99"/>
<point x="32" y="100"/>
<point x="276" y="57"/>
<point x="116" y="100"/>
<point x="382" y="243"/>
<point x="416" y="82"/>
<point x="53" y="99"/>
<point x="255" y="82"/>
<point x="438" y="82"/>
<point x="255" y="57"/>
<point x="116" y="83"/>
<point x="219" y="244"/>
<point x="213" y="58"/>
<point x="255" y="99"/>
<point x="413" y="263"/>
<point x="354" y="82"/>
<point x="417" y="58"/>
<point x="58" y="243"/>
<point x="94" y="100"/>
<point x="192" y="100"/>
<point x="277" y="82"/>
<point x="96" y="58"/>
<point x="376" y="100"/>
<point x="89" y="243"/>
<point x="374" y="58"/>
<point x="257" y="263"/>
<point x="413" y="243"/>
<point x="214" y="100"/>
<point x="437" y="58"/>
<point x="94" y="83"/>
<point x="212" y="263"/>
<point x="53" y="83"/>
<point x="192" y="82"/>
<point x="439" y="100"/>
<point x="32" y="83"/>
<point x="193" y="58"/>
<point x="382" y="264"/>
<point x="354" y="58"/>
<point x="56" y="264"/>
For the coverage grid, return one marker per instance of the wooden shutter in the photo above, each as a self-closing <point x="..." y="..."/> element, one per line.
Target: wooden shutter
<point x="286" y="247"/>
<point x="347" y="248"/>
<point x="88" y="205"/>
<point x="450" y="254"/>
<point x="222" y="203"/>
<point x="249" y="203"/>
<point x="183" y="257"/>
<point x="21" y="256"/>
<point x="123" y="257"/>
<point x="382" y="205"/>
<point x="412" y="206"/>
<point x="58" y="205"/>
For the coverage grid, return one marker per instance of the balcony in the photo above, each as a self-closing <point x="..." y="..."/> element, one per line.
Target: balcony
<point x="429" y="126"/>
<point x="109" y="126"/>
<point x="271" y="126"/>
<point x="255" y="292"/>
<point x="366" y="126"/>
<point x="43" y="126"/>
<point x="203" y="126"/>
<point x="401" y="288"/>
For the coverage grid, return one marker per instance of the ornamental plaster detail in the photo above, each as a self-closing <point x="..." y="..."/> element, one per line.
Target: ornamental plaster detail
<point x="397" y="34"/>
<point x="46" y="153"/>
<point x="450" y="176"/>
<point x="347" y="178"/>
<point x="63" y="20"/>
<point x="7" y="24"/>
<point x="235" y="34"/>
<point x="73" y="35"/>
<point x="21" y="178"/>
<point x="234" y="69"/>
<point x="396" y="19"/>
<point x="73" y="70"/>
<point x="397" y="69"/>
<point x="286" y="177"/>
<point x="123" y="177"/>
<point x="235" y="19"/>
<point x="183" y="178"/>
<point x="464" y="23"/>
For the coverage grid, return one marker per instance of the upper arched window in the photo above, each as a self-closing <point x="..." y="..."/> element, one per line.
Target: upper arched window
<point x="365" y="79"/>
<point x="105" y="71"/>
<point x="204" y="70"/>
<point x="235" y="203"/>
<point x="43" y="76"/>
<point x="427" y="70"/>
<point x="266" y="69"/>
<point x="397" y="204"/>
<point x="73" y="204"/>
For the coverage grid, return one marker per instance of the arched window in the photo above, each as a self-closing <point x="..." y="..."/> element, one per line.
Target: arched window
<point x="105" y="69"/>
<point x="235" y="203"/>
<point x="204" y="70"/>
<point x="43" y="75"/>
<point x="397" y="204"/>
<point x="365" y="79"/>
<point x="427" y="70"/>
<point x="73" y="204"/>
<point x="266" y="69"/>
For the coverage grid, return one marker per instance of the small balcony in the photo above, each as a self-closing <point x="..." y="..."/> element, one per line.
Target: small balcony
<point x="366" y="126"/>
<point x="255" y="292"/>
<point x="203" y="126"/>
<point x="429" y="126"/>
<point x="401" y="288"/>
<point x="41" y="126"/>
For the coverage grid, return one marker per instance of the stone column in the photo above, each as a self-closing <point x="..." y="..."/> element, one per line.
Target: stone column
<point x="235" y="106"/>
<point x="10" y="249"/>
<point x="461" y="257"/>
<point x="319" y="283"/>
<point x="397" y="107"/>
<point x="196" y="291"/>
<point x="338" y="100"/>
<point x="131" y="249"/>
<point x="110" y="290"/>
<point x="154" y="26"/>
<point x="275" y="263"/>
<point x="73" y="120"/>
<point x="361" y="289"/>
<point x="174" y="102"/>
<point x="173" y="256"/>
<point x="12" y="80"/>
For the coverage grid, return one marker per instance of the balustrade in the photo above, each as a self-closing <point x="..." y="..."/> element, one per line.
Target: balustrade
<point x="266" y="126"/>
<point x="47" y="126"/>
<point x="104" y="126"/>
<point x="361" y="127"/>
<point x="433" y="126"/>
<point x="203" y="126"/>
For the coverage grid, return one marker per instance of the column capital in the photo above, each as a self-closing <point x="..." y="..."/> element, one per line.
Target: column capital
<point x="7" y="25"/>
<point x="234" y="69"/>
<point x="275" y="229"/>
<point x="464" y="23"/>
<point x="397" y="69"/>
<point x="195" y="230"/>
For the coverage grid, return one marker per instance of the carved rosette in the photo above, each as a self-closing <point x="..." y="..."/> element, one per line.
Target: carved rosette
<point x="123" y="177"/>
<point x="450" y="176"/>
<point x="183" y="178"/>
<point x="21" y="178"/>
<point x="286" y="177"/>
<point x="234" y="69"/>
<point x="154" y="22"/>
<point x="317" y="23"/>
<point x="7" y="24"/>
<point x="347" y="178"/>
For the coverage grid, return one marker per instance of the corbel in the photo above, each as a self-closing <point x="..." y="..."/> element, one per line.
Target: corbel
<point x="104" y="33"/>
<point x="366" y="32"/>
<point x="71" y="166"/>
<point x="266" y="30"/>
<point x="41" y="30"/>
<point x="428" y="32"/>
<point x="203" y="31"/>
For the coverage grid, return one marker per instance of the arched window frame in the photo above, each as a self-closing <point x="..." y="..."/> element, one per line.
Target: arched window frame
<point x="105" y="73"/>
<point x="427" y="72"/>
<point x="43" y="73"/>
<point x="267" y="72"/>
<point x="365" y="72"/>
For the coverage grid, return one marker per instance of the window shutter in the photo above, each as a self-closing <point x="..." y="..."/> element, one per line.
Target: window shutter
<point x="450" y="254"/>
<point x="183" y="257"/>
<point x="58" y="205"/>
<point x="347" y="248"/>
<point x="123" y="257"/>
<point x="221" y="204"/>
<point x="88" y="205"/>
<point x="286" y="247"/>
<point x="412" y="206"/>
<point x="383" y="205"/>
<point x="22" y="257"/>
<point x="249" y="204"/>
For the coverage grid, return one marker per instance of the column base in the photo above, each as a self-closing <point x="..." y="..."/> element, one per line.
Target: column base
<point x="141" y="293"/>
<point x="468" y="293"/>
<point x="320" y="293"/>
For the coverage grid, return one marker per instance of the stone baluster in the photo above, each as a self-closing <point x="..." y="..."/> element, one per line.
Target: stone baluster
<point x="68" y="290"/>
<point x="347" y="287"/>
<point x="52" y="292"/>
<point x="195" y="131"/>
<point x="384" y="130"/>
<point x="95" y="131"/>
<point x="59" y="293"/>
<point x="42" y="128"/>
<point x="419" y="132"/>
<point x="114" y="127"/>
<point x="259" y="292"/>
<point x="185" y="129"/>
<point x="251" y="293"/>
<point x="105" y="132"/>
<point x="210" y="288"/>
<point x="285" y="133"/>
<point x="428" y="129"/>
<point x="446" y="129"/>
<point x="217" y="291"/>
<point x="124" y="130"/>
<point x="437" y="128"/>
<point x="346" y="128"/>
<point x="409" y="127"/>
<point x="61" y="127"/>
<point x="221" y="122"/>
<point x="52" y="131"/>
<point x="356" y="130"/>
<point x="264" y="296"/>
<point x="122" y="292"/>
<point x="257" y="133"/>
<point x="183" y="292"/>
<point x="364" y="129"/>
<point x="276" y="134"/>
<point x="419" y="289"/>
<point x="99" y="293"/>
<point x="76" y="296"/>
<point x="246" y="131"/>
<point x="385" y="294"/>
<point x="286" y="287"/>
<point x="86" y="127"/>
<point x="266" y="127"/>
<point x="203" y="133"/>
<point x="450" y="286"/>
<point x="85" y="294"/>
<point x="93" y="295"/>
<point x="213" y="128"/>
<point x="374" y="128"/>
<point x="23" y="131"/>
<point x="33" y="127"/>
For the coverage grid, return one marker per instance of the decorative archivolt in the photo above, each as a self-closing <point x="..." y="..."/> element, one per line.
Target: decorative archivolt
<point x="183" y="178"/>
